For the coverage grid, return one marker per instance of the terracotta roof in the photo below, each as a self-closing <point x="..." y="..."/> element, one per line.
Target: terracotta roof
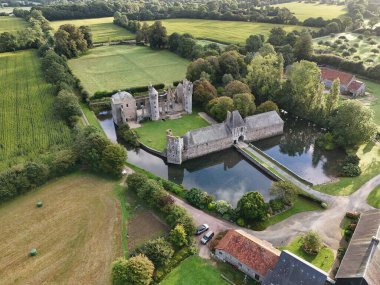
<point x="332" y="74"/>
<point x="355" y="86"/>
<point x="257" y="254"/>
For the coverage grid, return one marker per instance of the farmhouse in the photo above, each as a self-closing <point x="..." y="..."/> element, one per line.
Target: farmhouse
<point x="348" y="83"/>
<point x="217" y="137"/>
<point x="249" y="254"/>
<point x="361" y="263"/>
<point x="126" y="108"/>
<point x="293" y="270"/>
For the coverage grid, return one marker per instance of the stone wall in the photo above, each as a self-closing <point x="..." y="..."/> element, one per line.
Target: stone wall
<point x="259" y="134"/>
<point x="203" y="149"/>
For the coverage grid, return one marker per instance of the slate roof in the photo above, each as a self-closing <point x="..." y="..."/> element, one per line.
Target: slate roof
<point x="355" y="86"/>
<point x="257" y="254"/>
<point x="120" y="96"/>
<point x="332" y="74"/>
<point x="362" y="258"/>
<point x="292" y="270"/>
<point x="264" y="120"/>
<point x="234" y="120"/>
<point x="207" y="134"/>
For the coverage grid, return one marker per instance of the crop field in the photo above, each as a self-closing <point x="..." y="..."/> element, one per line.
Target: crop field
<point x="117" y="67"/>
<point x="350" y="46"/>
<point x="27" y="122"/>
<point x="11" y="24"/>
<point x="77" y="233"/>
<point x="224" y="31"/>
<point x="103" y="29"/>
<point x="303" y="11"/>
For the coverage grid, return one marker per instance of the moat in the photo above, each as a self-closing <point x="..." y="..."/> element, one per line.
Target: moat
<point x="227" y="175"/>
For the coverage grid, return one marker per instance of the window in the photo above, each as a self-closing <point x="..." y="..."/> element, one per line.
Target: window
<point x="127" y="105"/>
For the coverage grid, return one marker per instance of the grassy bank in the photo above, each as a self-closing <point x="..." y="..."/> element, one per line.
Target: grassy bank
<point x="374" y="198"/>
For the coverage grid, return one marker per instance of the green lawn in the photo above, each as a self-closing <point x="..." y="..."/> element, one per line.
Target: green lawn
<point x="28" y="124"/>
<point x="374" y="198"/>
<point x="307" y="10"/>
<point x="224" y="31"/>
<point x="12" y="24"/>
<point x="103" y="29"/>
<point x="374" y="89"/>
<point x="153" y="134"/>
<point x="194" y="271"/>
<point x="323" y="260"/>
<point x="370" y="165"/>
<point x="117" y="67"/>
<point x="10" y="9"/>
<point x="363" y="47"/>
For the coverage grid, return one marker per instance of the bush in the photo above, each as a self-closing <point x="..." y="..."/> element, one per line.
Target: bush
<point x="198" y="198"/>
<point x="311" y="243"/>
<point x="341" y="252"/>
<point x="223" y="207"/>
<point x="267" y="107"/>
<point x="159" y="251"/>
<point x="240" y="222"/>
<point x="324" y="205"/>
<point x="178" y="236"/>
<point x="352" y="158"/>
<point x="286" y="191"/>
<point x="277" y="205"/>
<point x="137" y="270"/>
<point x="350" y="170"/>
<point x="353" y="215"/>
<point x="128" y="136"/>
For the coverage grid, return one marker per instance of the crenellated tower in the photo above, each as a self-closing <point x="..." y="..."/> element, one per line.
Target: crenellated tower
<point x="174" y="148"/>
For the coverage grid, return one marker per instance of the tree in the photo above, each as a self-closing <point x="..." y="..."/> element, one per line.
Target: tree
<point x="87" y="34"/>
<point x="267" y="106"/>
<point x="8" y="42"/>
<point x="252" y="207"/>
<point x="137" y="270"/>
<point x="204" y="91"/>
<point x="70" y="41"/>
<point x="157" y="35"/>
<point x="254" y="43"/>
<point x="352" y="124"/>
<point x="223" y="207"/>
<point x="266" y="49"/>
<point x="277" y="36"/>
<point x="135" y="181"/>
<point x="332" y="101"/>
<point x="303" y="48"/>
<point x="67" y="106"/>
<point x="245" y="104"/>
<point x="286" y="191"/>
<point x="113" y="159"/>
<point x="37" y="173"/>
<point x="142" y="35"/>
<point x="232" y="62"/>
<point x="218" y="107"/>
<point x="236" y="87"/>
<point x="195" y="69"/>
<point x="311" y="242"/>
<point x="159" y="251"/>
<point x="198" y="198"/>
<point x="178" y="236"/>
<point x="173" y="42"/>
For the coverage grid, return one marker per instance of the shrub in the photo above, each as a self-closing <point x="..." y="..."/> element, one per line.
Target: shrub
<point x="341" y="252"/>
<point x="352" y="158"/>
<point x="240" y="222"/>
<point x="350" y="170"/>
<point x="338" y="42"/>
<point x="267" y="107"/>
<point x="178" y="236"/>
<point x="137" y="270"/>
<point x="277" y="205"/>
<point x="286" y="191"/>
<point x="356" y="45"/>
<point x="372" y="42"/>
<point x="311" y="242"/>
<point x="198" y="198"/>
<point x="375" y="50"/>
<point x="353" y="215"/>
<point x="252" y="207"/>
<point x="222" y="207"/>
<point x="128" y="136"/>
<point x="159" y="251"/>
<point x="324" y="205"/>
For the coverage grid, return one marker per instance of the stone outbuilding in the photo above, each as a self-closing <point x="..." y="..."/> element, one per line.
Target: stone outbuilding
<point x="124" y="108"/>
<point x="249" y="254"/>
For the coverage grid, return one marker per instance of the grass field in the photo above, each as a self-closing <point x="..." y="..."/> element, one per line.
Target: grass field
<point x="10" y="9"/>
<point x="224" y="31"/>
<point x="370" y="164"/>
<point x="76" y="233"/>
<point x="153" y="134"/>
<point x="373" y="88"/>
<point x="303" y="11"/>
<point x="117" y="67"/>
<point x="323" y="260"/>
<point x="103" y="29"/>
<point x="27" y="122"/>
<point x="11" y="24"/>
<point x="374" y="198"/>
<point x="358" y="49"/>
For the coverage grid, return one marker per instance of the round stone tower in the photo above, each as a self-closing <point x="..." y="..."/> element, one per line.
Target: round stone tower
<point x="153" y="101"/>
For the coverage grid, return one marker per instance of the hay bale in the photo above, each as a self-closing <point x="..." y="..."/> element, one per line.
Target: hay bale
<point x="33" y="252"/>
<point x="39" y="204"/>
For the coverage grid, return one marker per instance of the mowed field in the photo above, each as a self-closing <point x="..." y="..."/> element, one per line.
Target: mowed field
<point x="11" y="24"/>
<point x="28" y="125"/>
<point x="224" y="31"/>
<point x="77" y="233"/>
<point x="103" y="29"/>
<point x="302" y="11"/>
<point x="116" y="67"/>
<point x="10" y="9"/>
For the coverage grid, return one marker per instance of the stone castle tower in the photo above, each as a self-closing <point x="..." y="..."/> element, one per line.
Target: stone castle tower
<point x="187" y="96"/>
<point x="174" y="147"/>
<point x="153" y="102"/>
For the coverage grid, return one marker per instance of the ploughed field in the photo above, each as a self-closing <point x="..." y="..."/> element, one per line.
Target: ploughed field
<point x="303" y="11"/>
<point x="118" y="67"/>
<point x="223" y="31"/>
<point x="77" y="233"/>
<point x="11" y="24"/>
<point x="27" y="121"/>
<point x="103" y="29"/>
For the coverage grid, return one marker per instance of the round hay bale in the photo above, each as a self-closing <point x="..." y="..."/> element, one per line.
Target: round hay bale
<point x="33" y="252"/>
<point x="39" y="204"/>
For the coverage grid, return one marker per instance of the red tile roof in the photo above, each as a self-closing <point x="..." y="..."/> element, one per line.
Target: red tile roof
<point x="355" y="86"/>
<point x="257" y="254"/>
<point x="332" y="74"/>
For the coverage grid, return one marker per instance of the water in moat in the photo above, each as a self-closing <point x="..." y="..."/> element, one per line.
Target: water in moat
<point x="225" y="174"/>
<point x="296" y="150"/>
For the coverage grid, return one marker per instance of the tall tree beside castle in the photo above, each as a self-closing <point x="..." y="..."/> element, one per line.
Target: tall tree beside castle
<point x="158" y="36"/>
<point x="303" y="48"/>
<point x="71" y="41"/>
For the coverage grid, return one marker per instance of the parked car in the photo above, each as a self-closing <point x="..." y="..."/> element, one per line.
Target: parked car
<point x="207" y="237"/>
<point x="201" y="229"/>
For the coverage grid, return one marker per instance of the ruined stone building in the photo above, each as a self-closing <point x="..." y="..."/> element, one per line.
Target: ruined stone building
<point x="217" y="137"/>
<point x="155" y="106"/>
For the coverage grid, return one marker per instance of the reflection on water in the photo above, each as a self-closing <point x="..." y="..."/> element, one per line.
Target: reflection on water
<point x="296" y="150"/>
<point x="226" y="174"/>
